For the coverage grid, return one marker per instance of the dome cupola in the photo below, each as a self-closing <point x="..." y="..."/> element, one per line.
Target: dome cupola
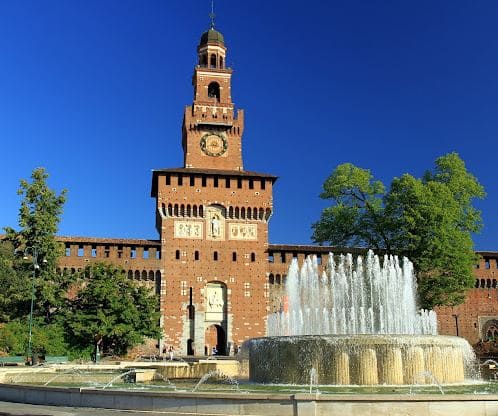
<point x="212" y="36"/>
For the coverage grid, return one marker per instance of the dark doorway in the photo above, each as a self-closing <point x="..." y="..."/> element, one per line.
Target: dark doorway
<point x="216" y="340"/>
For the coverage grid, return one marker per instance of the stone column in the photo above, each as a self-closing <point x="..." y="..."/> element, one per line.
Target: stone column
<point x="367" y="367"/>
<point x="414" y="365"/>
<point x="391" y="366"/>
<point x="340" y="368"/>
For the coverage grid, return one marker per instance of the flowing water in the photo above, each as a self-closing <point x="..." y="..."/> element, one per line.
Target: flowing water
<point x="352" y="297"/>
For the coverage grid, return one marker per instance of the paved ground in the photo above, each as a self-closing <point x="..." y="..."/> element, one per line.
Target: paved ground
<point x="19" y="409"/>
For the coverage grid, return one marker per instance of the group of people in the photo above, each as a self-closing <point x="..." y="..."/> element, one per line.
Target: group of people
<point x="214" y="351"/>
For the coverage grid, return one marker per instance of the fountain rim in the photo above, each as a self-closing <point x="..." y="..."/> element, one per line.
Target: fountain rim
<point x="386" y="336"/>
<point x="362" y="339"/>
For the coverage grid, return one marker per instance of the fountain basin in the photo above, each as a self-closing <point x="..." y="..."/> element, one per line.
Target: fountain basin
<point x="360" y="359"/>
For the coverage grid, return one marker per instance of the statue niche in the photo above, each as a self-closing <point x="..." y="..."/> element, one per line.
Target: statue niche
<point x="215" y="223"/>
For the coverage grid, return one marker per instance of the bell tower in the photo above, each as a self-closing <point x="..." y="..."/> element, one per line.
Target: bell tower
<point x="212" y="128"/>
<point x="212" y="217"/>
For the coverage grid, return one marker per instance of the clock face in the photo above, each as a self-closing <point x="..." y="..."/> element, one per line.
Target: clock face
<point x="214" y="144"/>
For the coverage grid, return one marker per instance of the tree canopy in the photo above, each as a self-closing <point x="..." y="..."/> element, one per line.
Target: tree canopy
<point x="72" y="313"/>
<point x="39" y="217"/>
<point x="111" y="311"/>
<point x="429" y="219"/>
<point x="15" y="284"/>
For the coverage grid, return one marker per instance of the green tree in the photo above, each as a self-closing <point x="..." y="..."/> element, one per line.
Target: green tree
<point x="111" y="311"/>
<point x="16" y="289"/>
<point x="39" y="217"/>
<point x="429" y="219"/>
<point x="47" y="339"/>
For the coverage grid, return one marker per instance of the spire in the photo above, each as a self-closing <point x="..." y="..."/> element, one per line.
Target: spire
<point x="212" y="35"/>
<point x="212" y="15"/>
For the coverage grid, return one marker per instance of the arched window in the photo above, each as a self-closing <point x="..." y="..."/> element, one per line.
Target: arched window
<point x="268" y="214"/>
<point x="151" y="275"/>
<point x="130" y="274"/>
<point x="144" y="275"/>
<point x="214" y="91"/>
<point x="204" y="60"/>
<point x="213" y="61"/>
<point x="271" y="279"/>
<point x="137" y="275"/>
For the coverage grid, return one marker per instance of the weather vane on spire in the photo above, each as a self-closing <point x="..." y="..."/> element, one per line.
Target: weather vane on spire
<point x="212" y="15"/>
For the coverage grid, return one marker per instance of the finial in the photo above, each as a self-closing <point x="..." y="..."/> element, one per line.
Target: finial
<point x="212" y="15"/>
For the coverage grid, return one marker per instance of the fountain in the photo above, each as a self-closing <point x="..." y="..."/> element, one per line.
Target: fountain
<point x="356" y="324"/>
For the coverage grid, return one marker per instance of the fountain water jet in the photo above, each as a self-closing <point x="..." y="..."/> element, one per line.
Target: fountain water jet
<point x="357" y="323"/>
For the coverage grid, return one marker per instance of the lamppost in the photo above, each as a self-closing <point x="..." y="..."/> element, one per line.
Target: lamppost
<point x="34" y="258"/>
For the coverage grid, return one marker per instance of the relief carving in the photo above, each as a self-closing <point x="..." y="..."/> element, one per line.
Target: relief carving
<point x="188" y="229"/>
<point x="243" y="231"/>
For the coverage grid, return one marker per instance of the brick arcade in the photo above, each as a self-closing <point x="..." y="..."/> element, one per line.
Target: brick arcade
<point x="213" y="267"/>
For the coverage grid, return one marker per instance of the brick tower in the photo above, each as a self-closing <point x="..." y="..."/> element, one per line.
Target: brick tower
<point x="212" y="217"/>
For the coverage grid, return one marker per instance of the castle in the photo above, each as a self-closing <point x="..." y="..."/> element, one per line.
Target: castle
<point x="215" y="272"/>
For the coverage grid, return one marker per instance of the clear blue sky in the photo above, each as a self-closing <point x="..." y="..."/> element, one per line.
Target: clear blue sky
<point x="94" y="91"/>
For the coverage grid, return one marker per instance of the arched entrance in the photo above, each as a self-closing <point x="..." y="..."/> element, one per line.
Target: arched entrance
<point x="215" y="338"/>
<point x="190" y="347"/>
<point x="490" y="330"/>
